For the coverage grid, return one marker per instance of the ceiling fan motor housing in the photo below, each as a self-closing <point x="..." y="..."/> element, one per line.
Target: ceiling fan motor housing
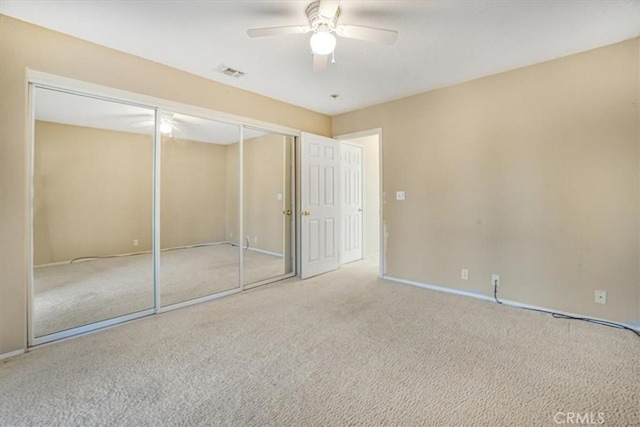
<point x="320" y="22"/>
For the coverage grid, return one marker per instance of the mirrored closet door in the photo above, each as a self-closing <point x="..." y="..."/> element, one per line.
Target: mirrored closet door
<point x="268" y="209"/>
<point x="137" y="209"/>
<point x="199" y="208"/>
<point x="92" y="211"/>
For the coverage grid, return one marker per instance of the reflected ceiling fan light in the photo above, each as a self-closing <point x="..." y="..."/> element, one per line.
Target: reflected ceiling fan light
<point x="323" y="43"/>
<point x="165" y="128"/>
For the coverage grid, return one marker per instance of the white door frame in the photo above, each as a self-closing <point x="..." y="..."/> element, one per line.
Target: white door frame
<point x="377" y="131"/>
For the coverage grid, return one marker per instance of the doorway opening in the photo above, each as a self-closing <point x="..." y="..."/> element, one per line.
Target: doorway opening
<point x="362" y="225"/>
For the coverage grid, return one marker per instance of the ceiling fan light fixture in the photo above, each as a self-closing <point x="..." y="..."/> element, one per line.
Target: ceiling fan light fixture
<point x="322" y="43"/>
<point x="165" y="128"/>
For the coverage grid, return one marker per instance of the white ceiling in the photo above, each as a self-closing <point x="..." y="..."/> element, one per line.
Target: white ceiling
<point x="440" y="42"/>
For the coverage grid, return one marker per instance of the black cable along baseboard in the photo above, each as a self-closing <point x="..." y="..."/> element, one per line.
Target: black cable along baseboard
<point x="568" y="317"/>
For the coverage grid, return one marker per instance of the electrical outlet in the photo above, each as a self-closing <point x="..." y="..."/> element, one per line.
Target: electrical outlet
<point x="464" y="275"/>
<point x="399" y="195"/>
<point x="135" y="242"/>
<point x="495" y="280"/>
<point x="600" y="297"/>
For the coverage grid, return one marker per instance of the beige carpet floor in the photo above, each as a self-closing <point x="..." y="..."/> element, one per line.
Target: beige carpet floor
<point x="344" y="348"/>
<point x="88" y="291"/>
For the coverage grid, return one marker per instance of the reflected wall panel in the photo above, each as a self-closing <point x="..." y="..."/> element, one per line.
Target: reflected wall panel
<point x="199" y="251"/>
<point x="268" y="208"/>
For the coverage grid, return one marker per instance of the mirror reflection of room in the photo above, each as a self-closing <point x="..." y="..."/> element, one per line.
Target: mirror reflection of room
<point x="93" y="189"/>
<point x="92" y="199"/>
<point x="267" y="205"/>
<point x="199" y="234"/>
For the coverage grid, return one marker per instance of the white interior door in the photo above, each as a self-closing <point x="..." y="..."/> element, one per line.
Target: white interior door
<point x="351" y="202"/>
<point x="319" y="207"/>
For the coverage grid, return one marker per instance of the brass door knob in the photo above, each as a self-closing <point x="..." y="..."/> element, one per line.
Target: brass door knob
<point x="306" y="213"/>
<point x="287" y="212"/>
<point x="359" y="209"/>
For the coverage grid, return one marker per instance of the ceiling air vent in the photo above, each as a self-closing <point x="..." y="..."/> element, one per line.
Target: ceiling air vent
<point x="231" y="72"/>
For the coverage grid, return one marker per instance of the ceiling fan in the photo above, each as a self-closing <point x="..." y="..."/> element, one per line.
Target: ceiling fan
<point x="168" y="123"/>
<point x="323" y="23"/>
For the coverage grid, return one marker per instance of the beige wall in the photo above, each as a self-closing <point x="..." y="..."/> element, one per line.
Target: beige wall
<point x="532" y="174"/>
<point x="93" y="192"/>
<point x="25" y="46"/>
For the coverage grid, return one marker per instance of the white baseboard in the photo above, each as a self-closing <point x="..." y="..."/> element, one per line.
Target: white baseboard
<point x="11" y="354"/>
<point x="510" y="303"/>
<point x="262" y="251"/>
<point x="439" y="288"/>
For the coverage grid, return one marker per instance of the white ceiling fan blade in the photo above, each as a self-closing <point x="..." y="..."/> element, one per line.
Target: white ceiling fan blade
<point x="320" y="62"/>
<point x="142" y="124"/>
<point x="328" y="8"/>
<point x="359" y="32"/>
<point x="278" y="31"/>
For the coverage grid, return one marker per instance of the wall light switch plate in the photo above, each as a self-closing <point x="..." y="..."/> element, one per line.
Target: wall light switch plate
<point x="399" y="195"/>
<point x="464" y="275"/>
